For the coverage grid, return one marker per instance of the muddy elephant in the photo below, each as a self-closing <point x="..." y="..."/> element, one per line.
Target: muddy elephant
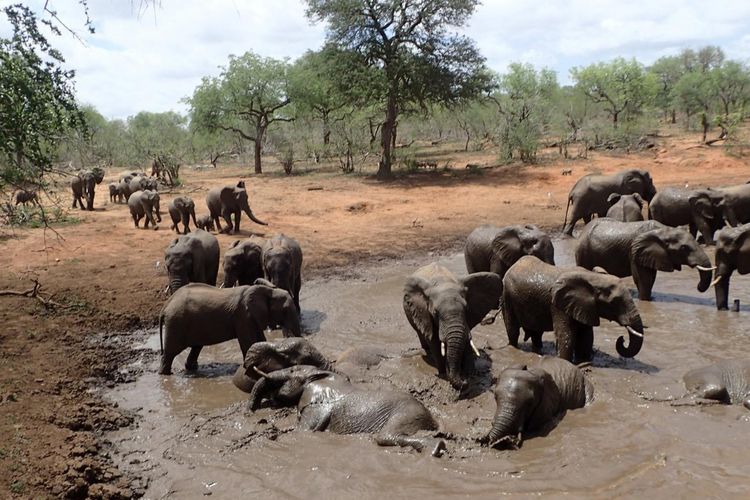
<point x="142" y="183"/>
<point x="180" y="210"/>
<point x="23" y="196"/>
<point x="192" y="258"/>
<point x="698" y="209"/>
<point x="443" y="309"/>
<point x="227" y="201"/>
<point x="726" y="382"/>
<point x="197" y="315"/>
<point x="282" y="264"/>
<point x="732" y="254"/>
<point x="589" y="195"/>
<point x="625" y="207"/>
<point x="640" y="249"/>
<point x="735" y="204"/>
<point x="84" y="184"/>
<point x="495" y="249"/>
<point x="327" y="401"/>
<point x="533" y="398"/>
<point x="145" y="204"/>
<point x="570" y="301"/>
<point x="205" y="222"/>
<point x="243" y="262"/>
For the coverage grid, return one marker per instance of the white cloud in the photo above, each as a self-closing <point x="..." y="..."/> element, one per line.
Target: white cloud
<point x="152" y="60"/>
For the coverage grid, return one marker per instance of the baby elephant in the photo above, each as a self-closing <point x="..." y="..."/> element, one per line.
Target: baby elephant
<point x="625" y="207"/>
<point x="282" y="264"/>
<point x="530" y="398"/>
<point x="180" y="210"/>
<point x="145" y="204"/>
<point x="726" y="382"/>
<point x="328" y="401"/>
<point x="205" y="222"/>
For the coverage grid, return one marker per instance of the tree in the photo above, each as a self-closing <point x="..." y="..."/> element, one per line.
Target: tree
<point x="408" y="55"/>
<point x="620" y="85"/>
<point x="246" y="98"/>
<point x="668" y="71"/>
<point x="696" y="92"/>
<point x="731" y="82"/>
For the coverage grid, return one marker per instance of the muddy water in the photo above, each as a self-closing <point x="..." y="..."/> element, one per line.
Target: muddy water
<point x="196" y="437"/>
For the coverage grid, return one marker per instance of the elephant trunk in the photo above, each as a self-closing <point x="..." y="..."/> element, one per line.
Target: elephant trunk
<point x="634" y="325"/>
<point x="177" y="281"/>
<point x="192" y="214"/>
<point x="721" y="283"/>
<point x="253" y="217"/>
<point x="455" y="340"/>
<point x="230" y="278"/>
<point x="506" y="424"/>
<point x="705" y="269"/>
<point x="256" y="395"/>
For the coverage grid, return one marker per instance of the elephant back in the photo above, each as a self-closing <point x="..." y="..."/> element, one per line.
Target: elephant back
<point x="575" y="390"/>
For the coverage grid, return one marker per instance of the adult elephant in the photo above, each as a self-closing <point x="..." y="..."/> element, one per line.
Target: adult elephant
<point x="530" y="398"/>
<point x="142" y="183"/>
<point x="180" y="210"/>
<point x="192" y="258"/>
<point x="327" y="401"/>
<point x="589" y="195"/>
<point x="699" y="209"/>
<point x="443" y="309"/>
<point x="145" y="204"/>
<point x="625" y="207"/>
<point x="84" y="184"/>
<point x="198" y="315"/>
<point x="495" y="249"/>
<point x="732" y="254"/>
<point x="282" y="264"/>
<point x="735" y="204"/>
<point x="243" y="262"/>
<point x="640" y="249"/>
<point x="570" y="301"/>
<point x="227" y="201"/>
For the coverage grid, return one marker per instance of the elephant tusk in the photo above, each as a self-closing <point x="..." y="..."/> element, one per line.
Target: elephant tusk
<point x="474" y="348"/>
<point x="633" y="331"/>
<point x="701" y="268"/>
<point x="166" y="289"/>
<point x="716" y="280"/>
<point x="260" y="372"/>
<point x="442" y="349"/>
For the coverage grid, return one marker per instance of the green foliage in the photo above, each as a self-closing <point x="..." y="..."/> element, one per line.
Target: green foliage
<point x="35" y="216"/>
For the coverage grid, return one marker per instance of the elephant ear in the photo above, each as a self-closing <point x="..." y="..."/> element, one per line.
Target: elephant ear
<point x="417" y="305"/>
<point x="234" y="244"/>
<point x="700" y="204"/>
<point x="575" y="296"/>
<point x="483" y="291"/>
<point x="649" y="250"/>
<point x="226" y="195"/>
<point x="638" y="199"/>
<point x="506" y="246"/>
<point x="613" y="198"/>
<point x="743" y="253"/>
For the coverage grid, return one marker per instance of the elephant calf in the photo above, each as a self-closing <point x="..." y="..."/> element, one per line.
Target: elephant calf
<point x="180" y="210"/>
<point x="243" y="262"/>
<point x="145" y="204"/>
<point x="726" y="381"/>
<point x="227" y="201"/>
<point x="530" y="398"/>
<point x="625" y="207"/>
<point x="732" y="254"/>
<point x="192" y="258"/>
<point x="539" y="297"/>
<point x="282" y="264"/>
<point x="198" y="315"/>
<point x="495" y="249"/>
<point x="328" y="401"/>
<point x="205" y="222"/>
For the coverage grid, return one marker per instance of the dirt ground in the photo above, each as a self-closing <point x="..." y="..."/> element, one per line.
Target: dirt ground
<point x="109" y="277"/>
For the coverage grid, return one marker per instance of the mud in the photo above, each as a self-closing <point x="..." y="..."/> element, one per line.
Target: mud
<point x="197" y="438"/>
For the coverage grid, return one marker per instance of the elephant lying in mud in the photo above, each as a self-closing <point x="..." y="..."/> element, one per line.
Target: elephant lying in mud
<point x="625" y="207"/>
<point x="726" y="382"/>
<point x="198" y="315"/>
<point x="531" y="398"/>
<point x="443" y="309"/>
<point x="328" y="401"/>
<point x="640" y="249"/>
<point x="569" y="300"/>
<point x="495" y="249"/>
<point x="732" y="254"/>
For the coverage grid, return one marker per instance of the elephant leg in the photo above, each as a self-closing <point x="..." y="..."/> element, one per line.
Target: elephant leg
<point x="436" y="354"/>
<point x="186" y="224"/>
<point x="564" y="341"/>
<point x="644" y="281"/>
<point x="584" y="344"/>
<point x="435" y="445"/>
<point x="721" y="289"/>
<point x="171" y="350"/>
<point x="136" y="219"/>
<point x="227" y="216"/>
<point x="237" y="217"/>
<point x="425" y="346"/>
<point x="191" y="363"/>
<point x="512" y="326"/>
<point x="536" y="340"/>
<point x="217" y="223"/>
<point x="297" y="287"/>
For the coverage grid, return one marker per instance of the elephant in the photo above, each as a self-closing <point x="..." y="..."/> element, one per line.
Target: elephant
<point x="727" y="382"/>
<point x="532" y="398"/>
<point x="570" y="301"/>
<point x="128" y="176"/>
<point x="24" y="196"/>
<point x="640" y="249"/>
<point x="735" y="204"/>
<point x="197" y="315"/>
<point x="192" y="258"/>
<point x="114" y="194"/>
<point x="145" y="203"/>
<point x="228" y="200"/>
<point x="443" y="309"/>
<point x="142" y="183"/>
<point x="699" y="209"/>
<point x="205" y="222"/>
<point x="243" y="262"/>
<point x="732" y="254"/>
<point x="123" y="187"/>
<point x="84" y="184"/>
<point x="181" y="209"/>
<point x="328" y="401"/>
<point x="282" y="264"/>
<point x="625" y="207"/>
<point x="589" y="194"/>
<point x="495" y="249"/>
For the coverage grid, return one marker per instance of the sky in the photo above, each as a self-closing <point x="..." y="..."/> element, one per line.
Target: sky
<point x="150" y="59"/>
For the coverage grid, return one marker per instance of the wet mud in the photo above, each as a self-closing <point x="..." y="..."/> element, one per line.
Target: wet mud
<point x="196" y="437"/>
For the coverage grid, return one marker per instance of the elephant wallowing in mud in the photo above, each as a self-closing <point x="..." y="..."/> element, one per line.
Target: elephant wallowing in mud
<point x="328" y="401"/>
<point x="732" y="254"/>
<point x="443" y="309"/>
<point x="531" y="398"/>
<point x="495" y="249"/>
<point x="726" y="382"/>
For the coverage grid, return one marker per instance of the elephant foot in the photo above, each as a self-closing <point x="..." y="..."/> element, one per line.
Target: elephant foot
<point x="438" y="448"/>
<point x="191" y="366"/>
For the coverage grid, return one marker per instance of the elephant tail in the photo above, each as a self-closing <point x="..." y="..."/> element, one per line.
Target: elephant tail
<point x="161" y="338"/>
<point x="565" y="222"/>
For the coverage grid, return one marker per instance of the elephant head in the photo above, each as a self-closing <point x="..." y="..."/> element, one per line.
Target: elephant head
<point x="282" y="311"/>
<point x="278" y="266"/>
<point x="615" y="197"/>
<point x="638" y="181"/>
<point x="98" y="174"/>
<point x="243" y="263"/>
<point x="450" y="309"/>
<point x="150" y="200"/>
<point x="668" y="249"/>
<point x="732" y="254"/>
<point x="272" y="356"/>
<point x="286" y="385"/>
<point x="587" y="296"/>
<point x="186" y="207"/>
<point x="149" y="183"/>
<point x="526" y="399"/>
<point x="706" y="212"/>
<point x="235" y="199"/>
<point x="513" y="242"/>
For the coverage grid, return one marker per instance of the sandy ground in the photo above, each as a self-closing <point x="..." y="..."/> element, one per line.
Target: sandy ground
<point x="105" y="273"/>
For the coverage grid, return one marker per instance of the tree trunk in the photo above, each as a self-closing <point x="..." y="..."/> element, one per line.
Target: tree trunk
<point x="326" y="130"/>
<point x="257" y="145"/>
<point x="704" y="124"/>
<point x="674" y="117"/>
<point x="614" y="119"/>
<point x="386" y="142"/>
